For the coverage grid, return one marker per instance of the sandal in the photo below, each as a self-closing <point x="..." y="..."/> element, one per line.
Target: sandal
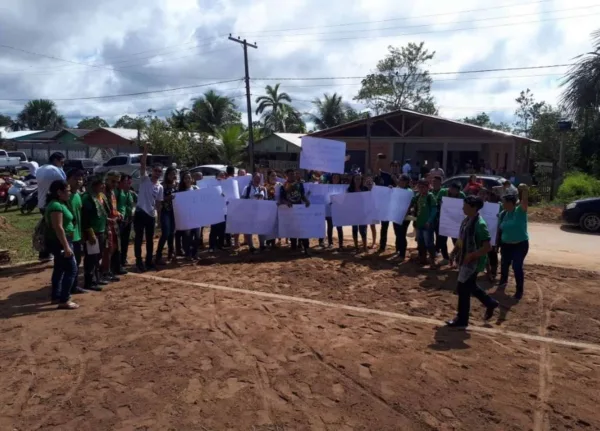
<point x="68" y="306"/>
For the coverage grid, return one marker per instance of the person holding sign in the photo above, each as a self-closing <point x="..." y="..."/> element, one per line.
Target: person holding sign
<point x="167" y="217"/>
<point x="273" y="186"/>
<point x="292" y="193"/>
<point x="426" y="213"/>
<point x="369" y="183"/>
<point x="400" y="230"/>
<point x="471" y="252"/>
<point x="94" y="218"/>
<point x="514" y="238"/>
<point x="255" y="191"/>
<point x="441" y="242"/>
<point x="190" y="238"/>
<point x="356" y="185"/>
<point x="335" y="179"/>
<point x="217" y="237"/>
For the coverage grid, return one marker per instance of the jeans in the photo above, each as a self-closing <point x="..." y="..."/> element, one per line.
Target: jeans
<point x="77" y="248"/>
<point x="190" y="239"/>
<point x="465" y="290"/>
<point x="401" y="243"/>
<point x="514" y="254"/>
<point x="125" y="234"/>
<point x="63" y="273"/>
<point x="363" y="233"/>
<point x="179" y="242"/>
<point x="425" y="238"/>
<point x="216" y="238"/>
<point x="261" y="241"/>
<point x="493" y="259"/>
<point x="91" y="263"/>
<point x="44" y="254"/>
<point x="167" y="233"/>
<point x="303" y="243"/>
<point x="340" y="232"/>
<point x="143" y="224"/>
<point x="441" y="242"/>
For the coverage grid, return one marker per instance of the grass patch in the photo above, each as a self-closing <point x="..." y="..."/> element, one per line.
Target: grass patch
<point x="15" y="234"/>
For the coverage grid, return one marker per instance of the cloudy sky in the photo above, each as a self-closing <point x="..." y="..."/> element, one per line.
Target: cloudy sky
<point x="68" y="49"/>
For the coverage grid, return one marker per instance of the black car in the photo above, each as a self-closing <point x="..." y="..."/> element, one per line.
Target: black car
<point x="86" y="165"/>
<point x="584" y="213"/>
<point x="489" y="181"/>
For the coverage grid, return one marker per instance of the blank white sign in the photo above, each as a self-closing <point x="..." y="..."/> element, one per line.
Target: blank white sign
<point x="198" y="208"/>
<point x="301" y="222"/>
<point x="251" y="216"/>
<point x="323" y="155"/>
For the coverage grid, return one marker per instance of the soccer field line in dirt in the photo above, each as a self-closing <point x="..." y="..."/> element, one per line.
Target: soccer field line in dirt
<point x="364" y="310"/>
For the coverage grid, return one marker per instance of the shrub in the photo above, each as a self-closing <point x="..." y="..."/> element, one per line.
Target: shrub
<point x="578" y="185"/>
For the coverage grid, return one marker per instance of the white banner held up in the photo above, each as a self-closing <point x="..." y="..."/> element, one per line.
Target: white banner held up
<point x="391" y="204"/>
<point x="198" y="208"/>
<point x="251" y="216"/>
<point x="351" y="209"/>
<point x="451" y="216"/>
<point x="323" y="155"/>
<point x="301" y="222"/>
<point x="320" y="194"/>
<point x="229" y="186"/>
<point x="489" y="212"/>
<point x="243" y="181"/>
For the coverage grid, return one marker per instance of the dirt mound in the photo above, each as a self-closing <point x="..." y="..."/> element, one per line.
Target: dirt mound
<point x="5" y="225"/>
<point x="546" y="214"/>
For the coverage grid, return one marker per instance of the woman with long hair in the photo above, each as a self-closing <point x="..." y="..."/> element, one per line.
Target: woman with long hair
<point x="167" y="216"/>
<point x="191" y="237"/>
<point x="59" y="241"/>
<point x="335" y="179"/>
<point x="357" y="185"/>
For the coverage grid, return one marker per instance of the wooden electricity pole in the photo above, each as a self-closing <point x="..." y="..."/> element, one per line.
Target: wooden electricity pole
<point x="248" y="100"/>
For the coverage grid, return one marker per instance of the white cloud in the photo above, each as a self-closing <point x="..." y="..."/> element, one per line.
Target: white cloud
<point x="160" y="44"/>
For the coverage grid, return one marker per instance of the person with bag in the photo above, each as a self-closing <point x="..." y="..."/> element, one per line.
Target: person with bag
<point x="59" y="241"/>
<point x="471" y="252"/>
<point x="292" y="193"/>
<point x="94" y="220"/>
<point x="255" y="191"/>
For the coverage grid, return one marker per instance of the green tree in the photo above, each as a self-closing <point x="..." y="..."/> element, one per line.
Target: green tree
<point x="180" y="119"/>
<point x="212" y="112"/>
<point x="400" y="81"/>
<point x="92" y="123"/>
<point x="545" y="129"/>
<point x="127" y="122"/>
<point x="527" y="112"/>
<point x="331" y="111"/>
<point x="41" y="114"/>
<point x="5" y="121"/>
<point x="483" y="120"/>
<point x="233" y="142"/>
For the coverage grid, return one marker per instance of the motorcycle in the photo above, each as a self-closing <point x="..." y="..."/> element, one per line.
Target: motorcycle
<point x="22" y="194"/>
<point x="31" y="200"/>
<point x="4" y="187"/>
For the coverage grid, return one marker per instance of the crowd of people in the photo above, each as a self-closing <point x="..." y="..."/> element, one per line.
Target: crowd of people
<point x="95" y="225"/>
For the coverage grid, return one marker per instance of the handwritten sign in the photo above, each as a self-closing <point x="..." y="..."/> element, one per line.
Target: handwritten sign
<point x="351" y="209"/>
<point x="391" y="204"/>
<point x="323" y="155"/>
<point x="301" y="222"/>
<point x="251" y="216"/>
<point x="489" y="212"/>
<point x="198" y="208"/>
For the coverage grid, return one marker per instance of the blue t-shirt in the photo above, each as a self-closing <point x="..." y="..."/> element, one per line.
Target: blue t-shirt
<point x="514" y="225"/>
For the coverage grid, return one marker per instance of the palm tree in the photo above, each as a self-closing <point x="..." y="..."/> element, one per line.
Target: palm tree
<point x="212" y="112"/>
<point x="581" y="96"/>
<point x="273" y="100"/>
<point x="41" y="114"/>
<point x="233" y="141"/>
<point x="286" y="119"/>
<point x="180" y="119"/>
<point x="331" y="111"/>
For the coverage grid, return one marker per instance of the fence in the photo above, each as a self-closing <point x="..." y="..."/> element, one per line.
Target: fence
<point x="40" y="152"/>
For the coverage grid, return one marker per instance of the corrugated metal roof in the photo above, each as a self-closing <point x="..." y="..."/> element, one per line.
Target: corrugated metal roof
<point x="129" y="134"/>
<point x="292" y="138"/>
<point x="78" y="132"/>
<point x="13" y="135"/>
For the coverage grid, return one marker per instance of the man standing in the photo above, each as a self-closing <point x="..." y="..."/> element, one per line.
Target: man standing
<point x="46" y="175"/>
<point x="75" y="180"/>
<point x="437" y="171"/>
<point x="111" y="261"/>
<point x="426" y="214"/>
<point x="407" y="169"/>
<point x="144" y="219"/>
<point x="125" y="205"/>
<point x="386" y="179"/>
<point x="471" y="252"/>
<point x="292" y="193"/>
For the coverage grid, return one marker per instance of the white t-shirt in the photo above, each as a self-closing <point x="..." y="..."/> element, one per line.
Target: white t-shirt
<point x="32" y="167"/>
<point x="406" y="169"/>
<point x="254" y="192"/>
<point x="439" y="172"/>
<point x="45" y="176"/>
<point x="149" y="194"/>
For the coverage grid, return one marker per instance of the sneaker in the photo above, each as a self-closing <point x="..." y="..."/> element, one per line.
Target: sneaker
<point x="489" y="312"/>
<point x="102" y="282"/>
<point x="455" y="323"/>
<point x="93" y="288"/>
<point x="78" y="291"/>
<point x="140" y="267"/>
<point x="518" y="296"/>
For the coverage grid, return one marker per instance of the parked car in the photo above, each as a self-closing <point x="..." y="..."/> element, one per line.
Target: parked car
<point x="584" y="213"/>
<point x="21" y="155"/>
<point x="86" y="165"/>
<point x="210" y="171"/>
<point x="7" y="162"/>
<point x="489" y="181"/>
<point x="128" y="163"/>
<point x="136" y="179"/>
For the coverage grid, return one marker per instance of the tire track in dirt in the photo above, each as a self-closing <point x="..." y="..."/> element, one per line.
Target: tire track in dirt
<point x="406" y="416"/>
<point x="22" y="395"/>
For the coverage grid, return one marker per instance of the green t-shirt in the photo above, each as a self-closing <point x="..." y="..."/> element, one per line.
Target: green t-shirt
<point x="482" y="234"/>
<point x="75" y="204"/>
<point x="94" y="214"/>
<point x="124" y="203"/>
<point x="67" y="219"/>
<point x="514" y="225"/>
<point x="426" y="209"/>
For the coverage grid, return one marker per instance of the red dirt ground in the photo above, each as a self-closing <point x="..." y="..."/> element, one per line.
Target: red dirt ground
<point x="154" y="355"/>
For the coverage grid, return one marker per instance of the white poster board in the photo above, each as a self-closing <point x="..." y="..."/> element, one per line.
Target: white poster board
<point x="323" y="155"/>
<point x="301" y="222"/>
<point x="489" y="212"/>
<point x="251" y="216"/>
<point x="391" y="204"/>
<point x="198" y="208"/>
<point x="320" y="194"/>
<point x="229" y="186"/>
<point x="451" y="216"/>
<point x="243" y="182"/>
<point x="351" y="209"/>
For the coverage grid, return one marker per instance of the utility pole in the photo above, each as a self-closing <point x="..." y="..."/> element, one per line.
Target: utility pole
<point x="248" y="101"/>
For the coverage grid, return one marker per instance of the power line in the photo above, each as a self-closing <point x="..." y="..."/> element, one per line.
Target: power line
<point x="128" y="94"/>
<point x="429" y="25"/>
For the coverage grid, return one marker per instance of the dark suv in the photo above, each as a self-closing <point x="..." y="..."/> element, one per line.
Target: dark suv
<point x="489" y="181"/>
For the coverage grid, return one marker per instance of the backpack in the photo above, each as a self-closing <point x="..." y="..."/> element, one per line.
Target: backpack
<point x="38" y="238"/>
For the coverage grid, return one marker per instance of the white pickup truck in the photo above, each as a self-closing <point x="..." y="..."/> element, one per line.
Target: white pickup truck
<point x="8" y="163"/>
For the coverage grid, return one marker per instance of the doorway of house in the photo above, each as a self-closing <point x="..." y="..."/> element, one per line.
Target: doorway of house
<point x="458" y="160"/>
